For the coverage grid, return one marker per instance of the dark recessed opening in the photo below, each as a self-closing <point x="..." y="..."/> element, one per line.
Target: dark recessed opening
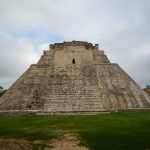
<point x="73" y="61"/>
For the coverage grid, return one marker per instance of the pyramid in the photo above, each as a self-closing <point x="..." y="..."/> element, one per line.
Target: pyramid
<point x="74" y="77"/>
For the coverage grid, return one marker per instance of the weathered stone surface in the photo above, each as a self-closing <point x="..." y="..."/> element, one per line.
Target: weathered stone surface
<point x="147" y="90"/>
<point x="74" y="77"/>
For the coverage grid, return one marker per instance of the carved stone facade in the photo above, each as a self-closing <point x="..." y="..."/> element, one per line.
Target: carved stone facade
<point x="74" y="77"/>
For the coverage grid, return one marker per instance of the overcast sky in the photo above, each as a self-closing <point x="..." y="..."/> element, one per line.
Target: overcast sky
<point x="120" y="27"/>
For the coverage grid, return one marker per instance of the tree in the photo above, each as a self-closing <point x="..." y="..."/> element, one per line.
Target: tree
<point x="2" y="91"/>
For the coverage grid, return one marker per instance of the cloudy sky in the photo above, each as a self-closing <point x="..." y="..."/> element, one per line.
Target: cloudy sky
<point x="120" y="27"/>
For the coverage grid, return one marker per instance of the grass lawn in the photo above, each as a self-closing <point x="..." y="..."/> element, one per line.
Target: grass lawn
<point x="128" y="130"/>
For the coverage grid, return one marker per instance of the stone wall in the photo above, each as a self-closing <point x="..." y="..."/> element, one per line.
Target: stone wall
<point x="74" y="77"/>
<point x="118" y="90"/>
<point x="73" y="89"/>
<point x="64" y="57"/>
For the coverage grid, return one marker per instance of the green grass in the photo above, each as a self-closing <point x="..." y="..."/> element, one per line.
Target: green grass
<point x="118" y="131"/>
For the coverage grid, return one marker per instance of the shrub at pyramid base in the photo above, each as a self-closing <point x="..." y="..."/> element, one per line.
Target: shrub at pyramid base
<point x="74" y="77"/>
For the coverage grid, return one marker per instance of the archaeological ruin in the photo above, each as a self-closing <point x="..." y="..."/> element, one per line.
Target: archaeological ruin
<point x="74" y="77"/>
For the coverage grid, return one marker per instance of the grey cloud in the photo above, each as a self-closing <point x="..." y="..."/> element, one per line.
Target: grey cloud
<point x="121" y="27"/>
<point x="15" y="56"/>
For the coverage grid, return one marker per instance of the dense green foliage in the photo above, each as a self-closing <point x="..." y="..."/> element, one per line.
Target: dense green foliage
<point x="118" y="131"/>
<point x="2" y="91"/>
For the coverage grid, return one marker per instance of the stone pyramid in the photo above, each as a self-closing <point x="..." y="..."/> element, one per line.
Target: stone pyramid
<point x="74" y="77"/>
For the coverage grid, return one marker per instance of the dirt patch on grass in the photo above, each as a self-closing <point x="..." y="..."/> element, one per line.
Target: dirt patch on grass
<point x="15" y="144"/>
<point x="66" y="142"/>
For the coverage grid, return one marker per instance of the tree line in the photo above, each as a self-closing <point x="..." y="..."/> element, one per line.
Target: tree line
<point x="2" y="91"/>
